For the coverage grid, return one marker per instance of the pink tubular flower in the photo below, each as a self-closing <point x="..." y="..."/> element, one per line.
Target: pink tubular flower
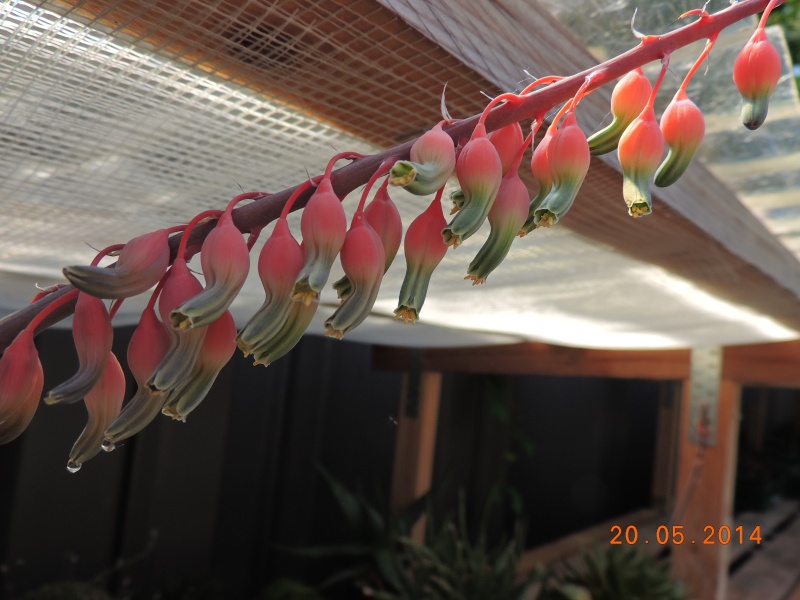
<point x="756" y="72"/>
<point x="217" y="349"/>
<point x="147" y="348"/>
<point x="225" y="260"/>
<point x="424" y="250"/>
<point x="363" y="262"/>
<point x="141" y="263"/>
<point x="279" y="263"/>
<point x="540" y="168"/>
<point x="568" y="159"/>
<point x="176" y="366"/>
<point x="384" y="218"/>
<point x="628" y="100"/>
<point x="103" y="403"/>
<point x="640" y="150"/>
<point x="479" y="173"/>
<point x="432" y="159"/>
<point x="324" y="227"/>
<point x="21" y="383"/>
<point x="683" y="127"/>
<point x="507" y="141"/>
<point x="508" y="214"/>
<point x="92" y="332"/>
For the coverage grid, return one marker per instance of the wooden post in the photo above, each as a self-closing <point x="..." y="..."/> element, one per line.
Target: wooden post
<point x="665" y="463"/>
<point x="703" y="566"/>
<point x="416" y="442"/>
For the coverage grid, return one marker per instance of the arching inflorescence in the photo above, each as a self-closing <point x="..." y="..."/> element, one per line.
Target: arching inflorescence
<point x="186" y="333"/>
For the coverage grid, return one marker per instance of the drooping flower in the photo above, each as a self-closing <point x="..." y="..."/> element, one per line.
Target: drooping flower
<point x="384" y="218"/>
<point x="507" y="216"/>
<point x="756" y="72"/>
<point x="279" y="263"/>
<point x="568" y="159"/>
<point x="324" y="226"/>
<point x="424" y="250"/>
<point x="217" y="349"/>
<point x="140" y="265"/>
<point x="225" y="260"/>
<point x="287" y="336"/>
<point x="628" y="99"/>
<point x="103" y="403"/>
<point x="432" y="159"/>
<point x="363" y="261"/>
<point x="683" y="127"/>
<point x="148" y="347"/>
<point x="640" y="151"/>
<point x="479" y="174"/>
<point x="21" y="383"/>
<point x="92" y="332"/>
<point x="542" y="173"/>
<point x="507" y="141"/>
<point x="176" y="365"/>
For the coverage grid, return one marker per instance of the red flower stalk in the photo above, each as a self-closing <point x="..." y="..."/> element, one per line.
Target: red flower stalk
<point x="279" y="263"/>
<point x="21" y="383"/>
<point x="479" y="174"/>
<point x="432" y="159"/>
<point x="103" y="403"/>
<point x="627" y="101"/>
<point x="508" y="214"/>
<point x="92" y="332"/>
<point x="140" y="265"/>
<point x="424" y="250"/>
<point x="756" y="72"/>
<point x="225" y="261"/>
<point x="217" y="349"/>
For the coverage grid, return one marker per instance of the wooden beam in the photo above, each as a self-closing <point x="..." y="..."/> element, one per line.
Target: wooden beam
<point x="535" y="358"/>
<point x="775" y="364"/>
<point x="704" y="567"/>
<point x="415" y="447"/>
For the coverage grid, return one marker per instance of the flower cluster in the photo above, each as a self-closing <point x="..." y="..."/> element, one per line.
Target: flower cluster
<point x="186" y="333"/>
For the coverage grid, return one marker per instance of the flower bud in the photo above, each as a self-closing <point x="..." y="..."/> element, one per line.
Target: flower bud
<point x="568" y="158"/>
<point x="184" y="344"/>
<point x="225" y="260"/>
<point x="140" y="265"/>
<point x="507" y="141"/>
<point x="540" y="168"/>
<point x="628" y="100"/>
<point x="279" y="263"/>
<point x="640" y="150"/>
<point x="363" y="262"/>
<point x="324" y="227"/>
<point x="424" y="250"/>
<point x="103" y="403"/>
<point x="479" y="174"/>
<point x="92" y="332"/>
<point x="21" y="383"/>
<point x="508" y="214"/>
<point x="432" y="159"/>
<point x="756" y="72"/>
<point x="384" y="218"/>
<point x="149" y="345"/>
<point x="683" y="127"/>
<point x="217" y="349"/>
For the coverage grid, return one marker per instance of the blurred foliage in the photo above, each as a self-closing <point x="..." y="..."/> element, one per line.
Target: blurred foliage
<point x="67" y="590"/>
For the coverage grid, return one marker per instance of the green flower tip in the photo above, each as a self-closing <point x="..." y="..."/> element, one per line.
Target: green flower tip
<point x="402" y="173"/>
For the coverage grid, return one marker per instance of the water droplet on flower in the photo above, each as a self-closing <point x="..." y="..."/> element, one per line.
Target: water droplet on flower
<point x="73" y="467"/>
<point x="108" y="445"/>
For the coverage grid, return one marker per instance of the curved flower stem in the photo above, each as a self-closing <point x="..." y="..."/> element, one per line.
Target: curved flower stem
<point x="507" y="97"/>
<point x="700" y="60"/>
<point x="115" y="307"/>
<point x="382" y="170"/>
<point x="58" y="302"/>
<point x="105" y="252"/>
<point x="664" y="66"/>
<point x="337" y="158"/>
<point x="350" y="177"/>
<point x="287" y="208"/>
<point x="541" y="81"/>
<point x="241" y="197"/>
<point x="188" y="231"/>
<point x="764" y="17"/>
